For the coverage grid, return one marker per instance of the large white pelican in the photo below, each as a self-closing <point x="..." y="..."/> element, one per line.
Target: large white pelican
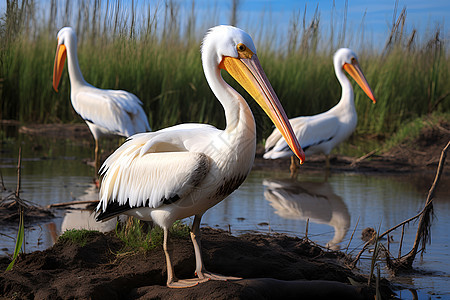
<point x="184" y="170"/>
<point x="106" y="112"/>
<point x="321" y="133"/>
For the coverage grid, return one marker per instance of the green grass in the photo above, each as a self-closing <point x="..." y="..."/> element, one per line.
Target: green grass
<point x="360" y="144"/>
<point x="136" y="237"/>
<point x="160" y="63"/>
<point x="19" y="240"/>
<point x="408" y="133"/>
<point x="76" y="236"/>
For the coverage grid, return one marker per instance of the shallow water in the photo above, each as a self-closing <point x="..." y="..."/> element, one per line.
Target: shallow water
<point x="54" y="172"/>
<point x="271" y="202"/>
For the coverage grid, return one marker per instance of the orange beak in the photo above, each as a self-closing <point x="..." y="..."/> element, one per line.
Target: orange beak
<point x="58" y="67"/>
<point x="247" y="71"/>
<point x="355" y="71"/>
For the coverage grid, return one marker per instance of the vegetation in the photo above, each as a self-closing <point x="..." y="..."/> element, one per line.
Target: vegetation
<point x="15" y="200"/>
<point x="408" y="133"/>
<point x="138" y="236"/>
<point x="19" y="241"/>
<point x="76" y="236"/>
<point x="153" y="51"/>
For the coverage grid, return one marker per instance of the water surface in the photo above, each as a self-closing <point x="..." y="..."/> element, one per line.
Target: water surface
<point x="331" y="209"/>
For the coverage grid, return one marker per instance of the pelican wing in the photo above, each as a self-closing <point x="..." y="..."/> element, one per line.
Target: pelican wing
<point x="310" y="131"/>
<point x="118" y="111"/>
<point x="316" y="129"/>
<point x="155" y="168"/>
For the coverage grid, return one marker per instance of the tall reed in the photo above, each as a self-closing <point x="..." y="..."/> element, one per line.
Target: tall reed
<point x="152" y="50"/>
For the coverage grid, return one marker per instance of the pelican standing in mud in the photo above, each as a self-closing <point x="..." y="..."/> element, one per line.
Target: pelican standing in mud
<point x="106" y="112"/>
<point x="182" y="171"/>
<point x="321" y="133"/>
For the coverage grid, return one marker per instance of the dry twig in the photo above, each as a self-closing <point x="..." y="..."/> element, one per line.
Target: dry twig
<point x="423" y="230"/>
<point x="64" y="204"/>
<point x="358" y="160"/>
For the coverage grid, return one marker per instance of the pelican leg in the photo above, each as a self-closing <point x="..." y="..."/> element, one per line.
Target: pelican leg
<point x="97" y="165"/>
<point x="327" y="174"/>
<point x="200" y="270"/>
<point x="97" y="159"/>
<point x="295" y="163"/>
<point x="172" y="281"/>
<point x="327" y="162"/>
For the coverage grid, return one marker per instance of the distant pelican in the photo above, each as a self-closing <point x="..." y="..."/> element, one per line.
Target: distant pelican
<point x="315" y="201"/>
<point x="184" y="170"/>
<point x="106" y="112"/>
<point x="321" y="133"/>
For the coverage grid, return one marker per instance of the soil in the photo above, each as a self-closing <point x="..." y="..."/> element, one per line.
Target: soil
<point x="272" y="266"/>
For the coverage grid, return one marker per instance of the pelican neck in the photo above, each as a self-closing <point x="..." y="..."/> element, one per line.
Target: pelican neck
<point x="347" y="96"/>
<point x="75" y="76"/>
<point x="238" y="115"/>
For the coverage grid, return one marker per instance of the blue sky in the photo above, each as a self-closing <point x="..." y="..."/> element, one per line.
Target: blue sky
<point x="378" y="15"/>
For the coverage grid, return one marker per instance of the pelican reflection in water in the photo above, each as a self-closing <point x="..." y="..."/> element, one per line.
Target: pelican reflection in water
<point x="315" y="201"/>
<point x="81" y="216"/>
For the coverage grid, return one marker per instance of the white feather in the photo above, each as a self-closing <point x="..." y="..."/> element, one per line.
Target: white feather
<point x="312" y="132"/>
<point x="321" y="133"/>
<point x="107" y="112"/>
<point x="194" y="166"/>
<point x="157" y="165"/>
<point x="118" y="112"/>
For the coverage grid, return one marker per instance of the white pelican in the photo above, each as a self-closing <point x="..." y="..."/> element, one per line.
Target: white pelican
<point x="106" y="112"/>
<point x="321" y="133"/>
<point x="315" y="201"/>
<point x="184" y="170"/>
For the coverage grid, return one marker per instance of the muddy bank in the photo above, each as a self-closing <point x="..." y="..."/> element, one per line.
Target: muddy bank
<point x="71" y="131"/>
<point x="412" y="155"/>
<point x="272" y="267"/>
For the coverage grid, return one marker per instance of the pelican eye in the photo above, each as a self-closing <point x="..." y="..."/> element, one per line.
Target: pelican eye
<point x="354" y="62"/>
<point x="241" y="47"/>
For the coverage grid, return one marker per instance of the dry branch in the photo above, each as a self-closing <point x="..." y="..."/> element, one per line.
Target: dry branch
<point x="423" y="230"/>
<point x="63" y="204"/>
<point x="12" y="207"/>
<point x="360" y="159"/>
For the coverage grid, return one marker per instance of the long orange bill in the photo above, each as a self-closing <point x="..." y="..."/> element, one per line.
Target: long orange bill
<point x="58" y="67"/>
<point x="355" y="71"/>
<point x="248" y="72"/>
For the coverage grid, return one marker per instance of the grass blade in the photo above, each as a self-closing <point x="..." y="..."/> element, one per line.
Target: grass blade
<point x="19" y="241"/>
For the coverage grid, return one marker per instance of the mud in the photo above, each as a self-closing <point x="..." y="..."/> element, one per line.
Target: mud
<point x="272" y="266"/>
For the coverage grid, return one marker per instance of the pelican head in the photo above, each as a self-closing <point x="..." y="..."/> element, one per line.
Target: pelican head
<point x="232" y="49"/>
<point x="65" y="36"/>
<point x="346" y="59"/>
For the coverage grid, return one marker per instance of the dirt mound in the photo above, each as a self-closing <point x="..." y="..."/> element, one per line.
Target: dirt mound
<point x="272" y="266"/>
<point x="426" y="149"/>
